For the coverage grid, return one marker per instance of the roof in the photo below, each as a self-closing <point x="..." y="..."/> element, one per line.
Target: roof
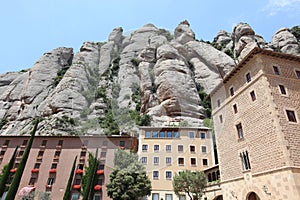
<point x="248" y="57"/>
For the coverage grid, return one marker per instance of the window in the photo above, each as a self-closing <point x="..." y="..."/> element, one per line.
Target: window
<point x="282" y="89"/>
<point x="192" y="149"/>
<point x="176" y="134"/>
<point x="148" y="135"/>
<point x="239" y="129"/>
<point x="168" y="175"/>
<point x="20" y="154"/>
<point x="291" y="115"/>
<point x="253" y="96"/>
<point x="245" y="160"/>
<point x="192" y="135"/>
<point x="298" y="74"/>
<point x="41" y="153"/>
<point x="156" y="160"/>
<point x="103" y="154"/>
<point x="24" y="143"/>
<point x="50" y="181"/>
<point x="155" y="175"/>
<point x="75" y="196"/>
<point x="2" y="153"/>
<point x="219" y="102"/>
<point x="144" y="160"/>
<point x="204" y="162"/>
<point x="156" y="147"/>
<point x="180" y="148"/>
<point x="60" y="142"/>
<point x="202" y="135"/>
<point x="44" y="143"/>
<point x="82" y="153"/>
<point x="169" y="197"/>
<point x="203" y="149"/>
<point x="37" y="165"/>
<point x="168" y="148"/>
<point x="53" y="165"/>
<point x="122" y="143"/>
<point x="161" y="134"/>
<point x="6" y="143"/>
<point x="231" y="90"/>
<point x="248" y="77"/>
<point x="182" y="197"/>
<point x="221" y="118"/>
<point x="168" y="160"/>
<point x="155" y="134"/>
<point x="169" y="134"/>
<point x="276" y="70"/>
<point x="193" y="161"/>
<point x="180" y="161"/>
<point x="155" y="196"/>
<point x="57" y="154"/>
<point x="235" y="110"/>
<point x="97" y="197"/>
<point x="80" y="166"/>
<point x="145" y="147"/>
<point x="32" y="181"/>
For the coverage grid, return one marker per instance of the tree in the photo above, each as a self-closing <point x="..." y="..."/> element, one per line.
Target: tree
<point x="191" y="183"/>
<point x="12" y="191"/>
<point x="89" y="177"/>
<point x="6" y="172"/>
<point x="129" y="180"/>
<point x="68" y="188"/>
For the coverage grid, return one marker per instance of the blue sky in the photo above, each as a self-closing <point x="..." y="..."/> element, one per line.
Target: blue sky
<point x="33" y="27"/>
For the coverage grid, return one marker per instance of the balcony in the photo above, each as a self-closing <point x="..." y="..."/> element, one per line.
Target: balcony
<point x="100" y="171"/>
<point x="52" y="171"/>
<point x="76" y="187"/>
<point x="98" y="187"/>
<point x="79" y="171"/>
<point x="13" y="170"/>
<point x="35" y="170"/>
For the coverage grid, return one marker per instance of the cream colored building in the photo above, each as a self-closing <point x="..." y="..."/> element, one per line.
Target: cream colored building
<point x="256" y="112"/>
<point x="168" y="150"/>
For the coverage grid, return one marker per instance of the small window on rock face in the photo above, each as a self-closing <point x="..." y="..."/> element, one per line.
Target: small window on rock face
<point x="231" y="90"/>
<point x="282" y="89"/>
<point x="253" y="96"/>
<point x="235" y="110"/>
<point x="298" y="74"/>
<point x="291" y="116"/>
<point x="276" y="70"/>
<point x="248" y="77"/>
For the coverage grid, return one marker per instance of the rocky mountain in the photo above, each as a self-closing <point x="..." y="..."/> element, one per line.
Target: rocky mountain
<point x="148" y="77"/>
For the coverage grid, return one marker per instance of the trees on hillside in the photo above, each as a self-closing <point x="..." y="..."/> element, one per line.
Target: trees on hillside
<point x="129" y="180"/>
<point x="190" y="183"/>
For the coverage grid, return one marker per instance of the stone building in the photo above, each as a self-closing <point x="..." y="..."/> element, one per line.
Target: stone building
<point x="51" y="158"/>
<point x="257" y="124"/>
<point x="168" y="150"/>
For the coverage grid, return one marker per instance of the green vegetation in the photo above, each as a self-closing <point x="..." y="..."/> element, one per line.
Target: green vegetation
<point x="190" y="183"/>
<point x="296" y="32"/>
<point x="68" y="188"/>
<point x="90" y="176"/>
<point x="12" y="191"/>
<point x="60" y="75"/>
<point x="135" y="62"/>
<point x="205" y="100"/>
<point x="129" y="180"/>
<point x="4" y="176"/>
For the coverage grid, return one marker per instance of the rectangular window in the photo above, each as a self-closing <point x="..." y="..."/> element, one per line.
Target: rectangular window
<point x="176" y="134"/>
<point x="156" y="147"/>
<point x="6" y="143"/>
<point x="37" y="165"/>
<point x="192" y="149"/>
<point x="41" y="153"/>
<point x="145" y="147"/>
<point x="148" y="135"/>
<point x="235" y="110"/>
<point x="24" y="142"/>
<point x="168" y="175"/>
<point x="162" y="134"/>
<point x="253" y="96"/>
<point x="182" y="197"/>
<point x="204" y="162"/>
<point x="219" y="102"/>
<point x="180" y="148"/>
<point x="193" y="161"/>
<point x="2" y="153"/>
<point x="203" y="149"/>
<point x="245" y="160"/>
<point x="82" y="153"/>
<point x="276" y="70"/>
<point x="75" y="196"/>
<point x="20" y="154"/>
<point x="169" y="197"/>
<point x="291" y="115"/>
<point x="168" y="160"/>
<point x="221" y="119"/>
<point x="239" y="129"/>
<point x="192" y="135"/>
<point x="168" y="148"/>
<point x="298" y="74"/>
<point x="103" y="154"/>
<point x="180" y="161"/>
<point x="57" y="153"/>
<point x="60" y="142"/>
<point x="122" y="143"/>
<point x="97" y="197"/>
<point x="231" y="90"/>
<point x="156" y="160"/>
<point x="44" y="143"/>
<point x="50" y="181"/>
<point x="155" y="175"/>
<point x="144" y="160"/>
<point x="32" y="181"/>
<point x="282" y="89"/>
<point x="155" y="196"/>
<point x="169" y="134"/>
<point x="248" y="77"/>
<point x="202" y="135"/>
<point x="155" y="134"/>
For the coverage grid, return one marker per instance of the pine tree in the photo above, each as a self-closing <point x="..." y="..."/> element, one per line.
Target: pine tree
<point x="68" y="188"/>
<point x="12" y="191"/>
<point x="6" y="172"/>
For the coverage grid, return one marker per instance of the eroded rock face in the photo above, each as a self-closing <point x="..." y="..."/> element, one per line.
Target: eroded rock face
<point x="284" y="41"/>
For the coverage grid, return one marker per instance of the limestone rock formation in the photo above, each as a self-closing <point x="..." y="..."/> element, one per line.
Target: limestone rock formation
<point x="112" y="86"/>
